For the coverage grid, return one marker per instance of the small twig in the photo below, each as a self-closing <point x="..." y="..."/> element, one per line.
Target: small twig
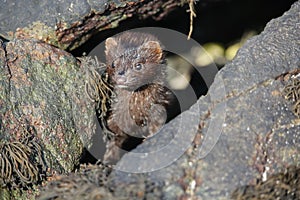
<point x="192" y="15"/>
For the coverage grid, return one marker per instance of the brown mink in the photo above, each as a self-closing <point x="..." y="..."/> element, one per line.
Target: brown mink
<point x="137" y="71"/>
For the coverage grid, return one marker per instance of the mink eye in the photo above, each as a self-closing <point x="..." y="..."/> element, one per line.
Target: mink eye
<point x="113" y="65"/>
<point x="138" y="66"/>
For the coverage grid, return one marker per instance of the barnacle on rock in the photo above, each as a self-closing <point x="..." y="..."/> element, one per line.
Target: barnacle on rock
<point x="292" y="93"/>
<point x="21" y="162"/>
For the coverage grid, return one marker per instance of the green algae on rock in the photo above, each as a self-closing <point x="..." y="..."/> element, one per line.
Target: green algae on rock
<point x="46" y="117"/>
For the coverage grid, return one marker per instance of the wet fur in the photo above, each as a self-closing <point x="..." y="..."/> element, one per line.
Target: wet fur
<point x="139" y="109"/>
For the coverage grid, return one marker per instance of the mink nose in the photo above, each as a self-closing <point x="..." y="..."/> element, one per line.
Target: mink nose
<point x="122" y="72"/>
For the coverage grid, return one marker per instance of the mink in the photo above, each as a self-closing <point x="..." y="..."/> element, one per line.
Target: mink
<point x="136" y="68"/>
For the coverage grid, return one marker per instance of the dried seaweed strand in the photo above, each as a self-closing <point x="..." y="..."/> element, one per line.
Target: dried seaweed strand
<point x="292" y="93"/>
<point x="17" y="166"/>
<point x="192" y="15"/>
<point x="98" y="90"/>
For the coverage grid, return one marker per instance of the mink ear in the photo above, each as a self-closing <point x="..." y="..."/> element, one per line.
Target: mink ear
<point x="154" y="48"/>
<point x="110" y="44"/>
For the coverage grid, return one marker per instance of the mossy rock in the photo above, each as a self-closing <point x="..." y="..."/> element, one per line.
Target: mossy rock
<point x="46" y="114"/>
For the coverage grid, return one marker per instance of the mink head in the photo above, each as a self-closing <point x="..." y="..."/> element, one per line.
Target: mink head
<point x="134" y="60"/>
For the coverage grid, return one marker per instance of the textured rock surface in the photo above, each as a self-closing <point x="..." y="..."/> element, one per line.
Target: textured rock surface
<point x="68" y="24"/>
<point x="259" y="134"/>
<point x="242" y="132"/>
<point x="239" y="139"/>
<point x="45" y="116"/>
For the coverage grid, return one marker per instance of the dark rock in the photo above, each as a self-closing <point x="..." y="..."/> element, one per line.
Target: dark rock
<point x="69" y="24"/>
<point x="247" y="128"/>
<point x="243" y="133"/>
<point x="89" y="183"/>
<point x="46" y="118"/>
<point x="283" y="185"/>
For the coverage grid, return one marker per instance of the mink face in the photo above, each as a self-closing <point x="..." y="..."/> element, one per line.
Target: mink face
<point x="134" y="60"/>
<point x="136" y="70"/>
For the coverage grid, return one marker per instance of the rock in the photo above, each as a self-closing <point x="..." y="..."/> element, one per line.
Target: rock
<point x="89" y="183"/>
<point x="247" y="129"/>
<point x="243" y="133"/>
<point x="69" y="24"/>
<point x="46" y="117"/>
<point x="284" y="185"/>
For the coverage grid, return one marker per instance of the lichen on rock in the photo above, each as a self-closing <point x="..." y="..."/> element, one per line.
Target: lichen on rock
<point x="46" y="116"/>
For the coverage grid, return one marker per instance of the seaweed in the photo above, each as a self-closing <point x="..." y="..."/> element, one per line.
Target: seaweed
<point x="292" y="93"/>
<point x="87" y="183"/>
<point x="98" y="90"/>
<point x="283" y="185"/>
<point x="21" y="162"/>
